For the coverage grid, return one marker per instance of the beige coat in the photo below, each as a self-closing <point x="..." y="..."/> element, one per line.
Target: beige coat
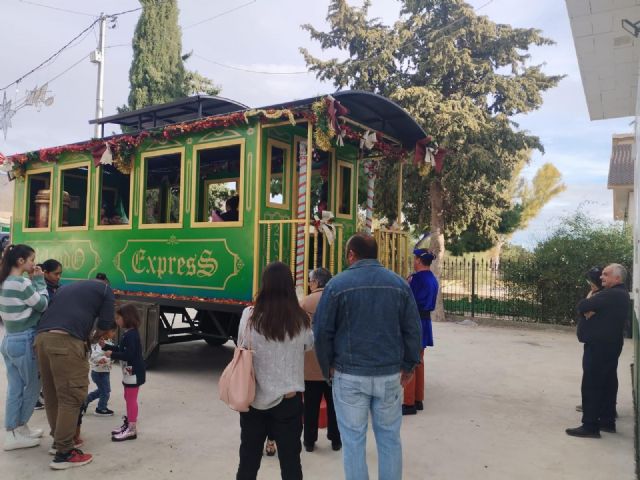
<point x="312" y="370"/>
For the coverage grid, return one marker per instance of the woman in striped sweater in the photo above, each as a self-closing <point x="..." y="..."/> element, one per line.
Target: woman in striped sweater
<point x="22" y="301"/>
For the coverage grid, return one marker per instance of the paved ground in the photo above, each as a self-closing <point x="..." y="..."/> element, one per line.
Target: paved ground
<point x="498" y="401"/>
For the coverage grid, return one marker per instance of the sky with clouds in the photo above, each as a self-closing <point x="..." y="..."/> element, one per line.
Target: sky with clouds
<point x="265" y="35"/>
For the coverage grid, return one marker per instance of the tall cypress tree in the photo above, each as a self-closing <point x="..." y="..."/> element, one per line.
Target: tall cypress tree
<point x="157" y="73"/>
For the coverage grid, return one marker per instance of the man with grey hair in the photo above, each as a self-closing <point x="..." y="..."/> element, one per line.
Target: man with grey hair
<point x="605" y="313"/>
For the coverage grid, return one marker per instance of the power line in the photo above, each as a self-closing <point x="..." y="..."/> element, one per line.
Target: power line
<point x="123" y="13"/>
<point x="67" y="45"/>
<point x="219" y="15"/>
<point x="51" y="57"/>
<point x="357" y="62"/>
<point x="66" y="70"/>
<point x="84" y="58"/>
<point x="51" y="7"/>
<point x="241" y="69"/>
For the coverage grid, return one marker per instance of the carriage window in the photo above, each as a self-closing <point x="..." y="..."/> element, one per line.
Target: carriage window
<point x="38" y="202"/>
<point x="115" y="196"/>
<point x="74" y="186"/>
<point x="345" y="193"/>
<point x="218" y="172"/>
<point x="277" y="174"/>
<point x="162" y="185"/>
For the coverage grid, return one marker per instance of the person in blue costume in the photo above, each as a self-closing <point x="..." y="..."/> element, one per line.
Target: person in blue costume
<point x="424" y="286"/>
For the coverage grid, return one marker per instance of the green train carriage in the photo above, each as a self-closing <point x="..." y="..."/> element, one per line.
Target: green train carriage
<point x="147" y="207"/>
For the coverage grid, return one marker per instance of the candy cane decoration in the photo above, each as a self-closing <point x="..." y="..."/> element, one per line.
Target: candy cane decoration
<point x="302" y="214"/>
<point x="371" y="171"/>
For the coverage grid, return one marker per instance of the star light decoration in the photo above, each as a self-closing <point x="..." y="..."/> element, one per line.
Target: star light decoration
<point x="33" y="98"/>
<point x="6" y="113"/>
<point x="38" y="97"/>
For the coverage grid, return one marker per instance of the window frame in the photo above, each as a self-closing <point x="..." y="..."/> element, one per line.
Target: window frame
<point x="343" y="164"/>
<point x="332" y="180"/>
<point x="286" y="174"/>
<point x="97" y="201"/>
<point x="59" y="193"/>
<point x="143" y="188"/>
<point x="194" y="184"/>
<point x="25" y="223"/>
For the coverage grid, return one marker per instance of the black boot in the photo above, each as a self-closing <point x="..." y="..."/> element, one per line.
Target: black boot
<point x="582" y="432"/>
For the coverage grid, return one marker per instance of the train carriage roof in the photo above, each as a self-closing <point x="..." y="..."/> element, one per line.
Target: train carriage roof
<point x="369" y="109"/>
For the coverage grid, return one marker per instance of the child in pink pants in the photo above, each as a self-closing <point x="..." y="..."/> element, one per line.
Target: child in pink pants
<point x="129" y="352"/>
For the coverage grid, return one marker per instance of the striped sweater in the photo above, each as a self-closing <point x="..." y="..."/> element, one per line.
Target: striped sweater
<point x="22" y="302"/>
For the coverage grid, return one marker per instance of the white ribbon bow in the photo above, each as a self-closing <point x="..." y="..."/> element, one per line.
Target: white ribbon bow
<point x="430" y="156"/>
<point x="325" y="226"/>
<point x="107" y="156"/>
<point x="368" y="140"/>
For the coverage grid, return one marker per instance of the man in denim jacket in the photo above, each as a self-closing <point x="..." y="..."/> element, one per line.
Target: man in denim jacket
<point x="367" y="339"/>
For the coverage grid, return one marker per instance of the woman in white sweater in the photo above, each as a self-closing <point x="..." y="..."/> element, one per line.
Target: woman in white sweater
<point x="278" y="330"/>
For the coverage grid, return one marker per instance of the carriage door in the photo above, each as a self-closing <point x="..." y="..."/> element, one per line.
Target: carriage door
<point x="276" y="228"/>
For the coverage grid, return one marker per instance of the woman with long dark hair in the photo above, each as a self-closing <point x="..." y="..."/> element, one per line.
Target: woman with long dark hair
<point x="22" y="301"/>
<point x="278" y="331"/>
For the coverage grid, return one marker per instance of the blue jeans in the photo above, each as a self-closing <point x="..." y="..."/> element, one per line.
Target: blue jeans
<point x="354" y="397"/>
<point x="103" y="392"/>
<point x="23" y="383"/>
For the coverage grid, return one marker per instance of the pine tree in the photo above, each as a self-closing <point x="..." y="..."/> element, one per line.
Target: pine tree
<point x="463" y="78"/>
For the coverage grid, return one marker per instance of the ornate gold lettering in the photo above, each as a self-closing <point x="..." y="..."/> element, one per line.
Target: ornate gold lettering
<point x="137" y="259"/>
<point x="78" y="259"/>
<point x="191" y="267"/>
<point x="161" y="267"/>
<point x="152" y="267"/>
<point x="207" y="266"/>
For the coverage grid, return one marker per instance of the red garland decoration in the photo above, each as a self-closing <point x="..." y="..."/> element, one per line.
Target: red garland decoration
<point x="182" y="297"/>
<point x="123" y="146"/>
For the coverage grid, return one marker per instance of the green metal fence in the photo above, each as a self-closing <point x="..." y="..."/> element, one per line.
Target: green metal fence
<point x="477" y="288"/>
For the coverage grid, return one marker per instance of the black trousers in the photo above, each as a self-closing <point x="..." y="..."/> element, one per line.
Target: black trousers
<point x="284" y="422"/>
<point x="313" y="392"/>
<point x="599" y="384"/>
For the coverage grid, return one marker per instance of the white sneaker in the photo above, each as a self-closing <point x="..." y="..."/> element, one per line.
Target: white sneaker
<point x="14" y="440"/>
<point x="30" y="432"/>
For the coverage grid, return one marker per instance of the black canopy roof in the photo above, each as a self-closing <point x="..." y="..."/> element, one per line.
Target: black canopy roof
<point x="366" y="108"/>
<point x="183" y="110"/>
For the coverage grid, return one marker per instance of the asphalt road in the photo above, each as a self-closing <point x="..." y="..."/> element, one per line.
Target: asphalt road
<point x="497" y="403"/>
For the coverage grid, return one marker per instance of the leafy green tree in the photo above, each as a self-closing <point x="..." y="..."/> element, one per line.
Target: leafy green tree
<point x="527" y="199"/>
<point x="463" y="78"/>
<point x="157" y="73"/>
<point x="554" y="275"/>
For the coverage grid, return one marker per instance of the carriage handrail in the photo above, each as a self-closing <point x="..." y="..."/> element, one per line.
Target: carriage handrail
<point x="331" y="257"/>
<point x="393" y="249"/>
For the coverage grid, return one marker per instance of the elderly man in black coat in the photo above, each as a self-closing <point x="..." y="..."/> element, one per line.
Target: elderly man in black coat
<point x="605" y="313"/>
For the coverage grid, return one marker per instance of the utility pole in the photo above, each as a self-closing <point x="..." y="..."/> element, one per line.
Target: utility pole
<point x="97" y="56"/>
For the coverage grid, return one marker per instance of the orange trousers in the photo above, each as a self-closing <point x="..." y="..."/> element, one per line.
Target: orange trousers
<point x="414" y="390"/>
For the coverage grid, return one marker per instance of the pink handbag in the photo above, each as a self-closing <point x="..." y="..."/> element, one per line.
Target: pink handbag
<point x="237" y="384"/>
